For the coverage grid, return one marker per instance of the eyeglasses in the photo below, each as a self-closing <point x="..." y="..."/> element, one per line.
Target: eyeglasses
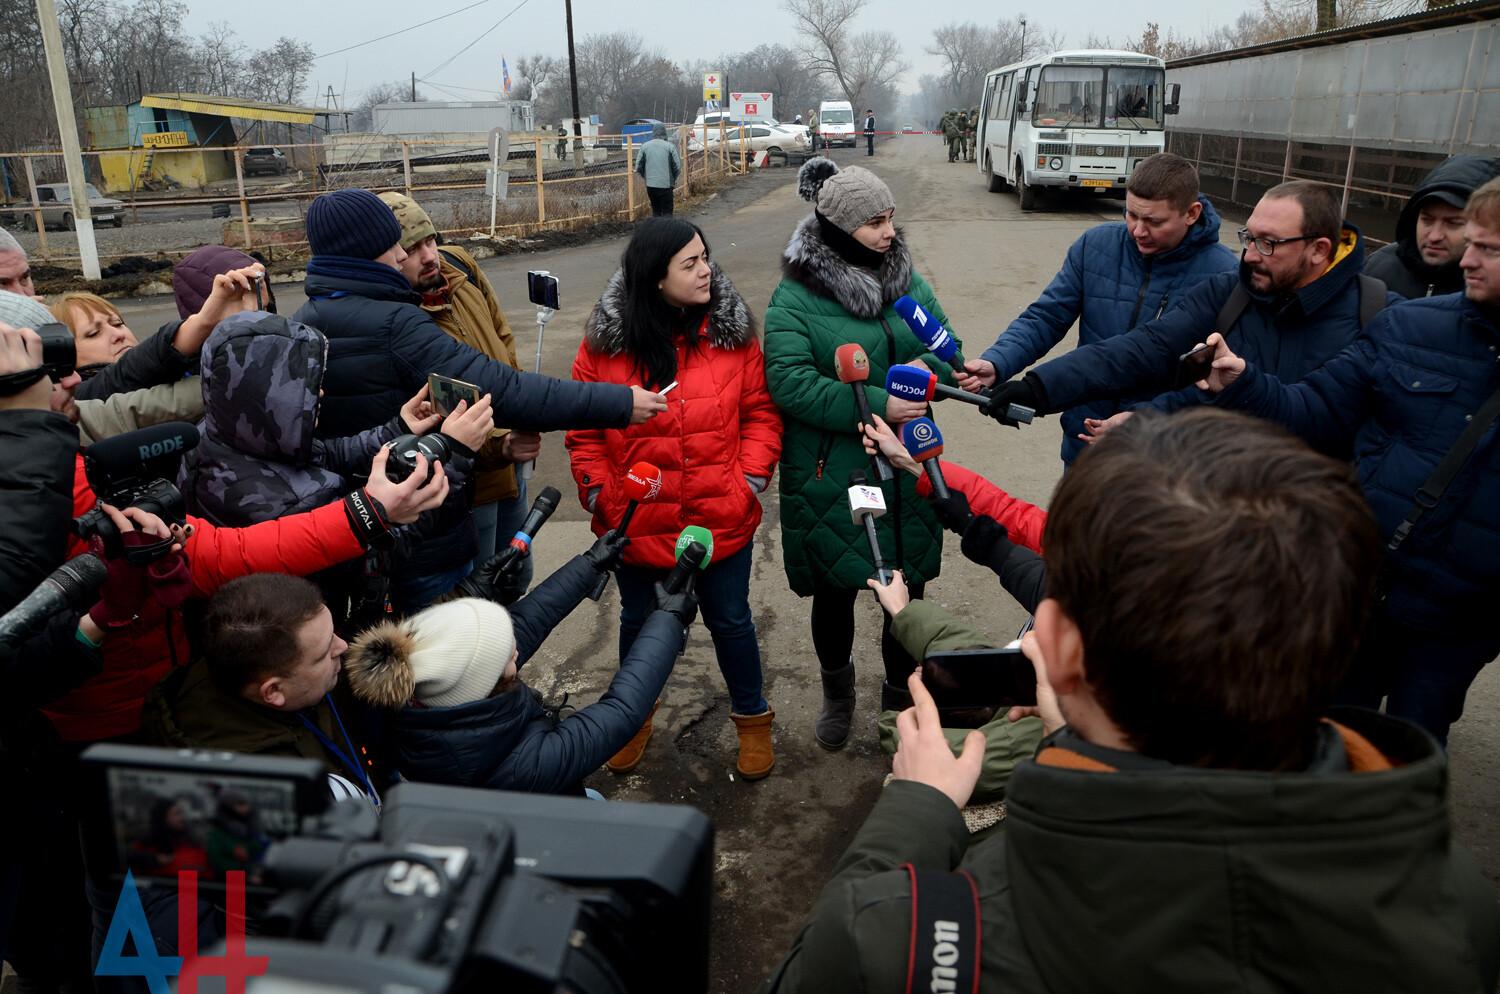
<point x="1267" y="246"/>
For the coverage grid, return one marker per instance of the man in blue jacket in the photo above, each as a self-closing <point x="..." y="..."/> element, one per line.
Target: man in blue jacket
<point x="1296" y="302"/>
<point x="382" y="346"/>
<point x="1117" y="277"/>
<point x="1401" y="395"/>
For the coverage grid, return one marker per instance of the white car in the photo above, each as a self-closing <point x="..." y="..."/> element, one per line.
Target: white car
<point x="777" y="139"/>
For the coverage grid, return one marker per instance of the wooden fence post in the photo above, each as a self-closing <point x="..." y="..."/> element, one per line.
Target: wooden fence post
<point x="541" y="189"/>
<point x="406" y="164"/>
<point x="239" y="178"/>
<point x="36" y="207"/>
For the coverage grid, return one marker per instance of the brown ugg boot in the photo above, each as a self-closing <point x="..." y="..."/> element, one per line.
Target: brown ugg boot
<point x="756" y="755"/>
<point x="629" y="757"/>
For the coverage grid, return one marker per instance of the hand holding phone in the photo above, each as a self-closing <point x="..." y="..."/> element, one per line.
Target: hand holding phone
<point x="1194" y="365"/>
<point x="447" y="393"/>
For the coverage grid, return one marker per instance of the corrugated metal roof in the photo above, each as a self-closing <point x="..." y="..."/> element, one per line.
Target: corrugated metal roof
<point x="252" y="110"/>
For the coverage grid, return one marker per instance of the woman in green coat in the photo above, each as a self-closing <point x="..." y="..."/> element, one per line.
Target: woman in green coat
<point x="842" y="270"/>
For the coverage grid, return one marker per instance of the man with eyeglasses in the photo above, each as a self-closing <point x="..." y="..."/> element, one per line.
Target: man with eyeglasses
<point x="1402" y="397"/>
<point x="1296" y="302"/>
<point x="1115" y="278"/>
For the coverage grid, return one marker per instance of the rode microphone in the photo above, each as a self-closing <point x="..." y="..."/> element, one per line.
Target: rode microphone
<point x="853" y="368"/>
<point x="642" y="486"/>
<point x="541" y="510"/>
<point x="137" y="456"/>
<point x="930" y="331"/>
<point x="67" y="588"/>
<point x="919" y="384"/>
<point x="924" y="443"/>
<point x="866" y="503"/>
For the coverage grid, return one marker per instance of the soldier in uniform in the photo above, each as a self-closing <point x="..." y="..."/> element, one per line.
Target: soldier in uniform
<point x="953" y="131"/>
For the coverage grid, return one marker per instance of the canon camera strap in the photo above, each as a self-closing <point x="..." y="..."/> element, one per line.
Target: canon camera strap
<point x="944" y="951"/>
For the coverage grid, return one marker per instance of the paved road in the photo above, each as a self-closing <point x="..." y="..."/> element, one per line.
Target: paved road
<point x="778" y="838"/>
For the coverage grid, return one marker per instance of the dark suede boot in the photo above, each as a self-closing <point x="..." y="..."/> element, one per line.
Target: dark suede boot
<point x="832" y="728"/>
<point x="894" y="698"/>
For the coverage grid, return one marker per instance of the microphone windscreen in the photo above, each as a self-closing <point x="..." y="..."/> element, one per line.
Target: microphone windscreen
<point x="927" y="328"/>
<point x="851" y="363"/>
<point x="123" y="455"/>
<point x="643" y="482"/>
<point x="865" y="499"/>
<point x="548" y="498"/>
<point x="922" y="439"/>
<point x="701" y="535"/>
<point x="910" y="383"/>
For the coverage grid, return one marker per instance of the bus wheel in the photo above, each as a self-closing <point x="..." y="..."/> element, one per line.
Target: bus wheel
<point x="1025" y="192"/>
<point x="993" y="182"/>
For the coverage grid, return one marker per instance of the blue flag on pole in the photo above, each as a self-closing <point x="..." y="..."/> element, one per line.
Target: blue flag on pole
<point x="505" y="74"/>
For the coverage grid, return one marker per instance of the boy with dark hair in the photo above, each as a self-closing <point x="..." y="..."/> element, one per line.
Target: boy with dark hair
<point x="1192" y="821"/>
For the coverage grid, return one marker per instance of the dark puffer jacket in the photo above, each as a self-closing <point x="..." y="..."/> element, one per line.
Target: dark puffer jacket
<point x="1400" y="264"/>
<point x="1289" y="335"/>
<point x="1402" y="394"/>
<point x="1108" y="287"/>
<point x="509" y="741"/>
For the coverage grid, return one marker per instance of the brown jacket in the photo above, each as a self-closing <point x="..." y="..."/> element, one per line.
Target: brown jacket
<point x="473" y="316"/>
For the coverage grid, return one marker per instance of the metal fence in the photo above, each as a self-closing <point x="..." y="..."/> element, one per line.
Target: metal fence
<point x="171" y="201"/>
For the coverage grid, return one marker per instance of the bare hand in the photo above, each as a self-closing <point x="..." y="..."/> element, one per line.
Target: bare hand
<point x="881" y="437"/>
<point x="1096" y="428"/>
<point x="981" y="375"/>
<point x="521" y="446"/>
<point x="228" y="297"/>
<point x="471" y="426"/>
<point x="899" y="410"/>
<point x="893" y="596"/>
<point x="418" y="414"/>
<point x="134" y="519"/>
<point x="924" y="755"/>
<point x="645" y="405"/>
<point x="1226" y="367"/>
<point x="21" y="349"/>
<point x="1046" y="699"/>
<point x="405" y="500"/>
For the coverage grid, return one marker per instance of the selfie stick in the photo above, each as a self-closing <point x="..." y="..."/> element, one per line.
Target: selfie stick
<point x="543" y="315"/>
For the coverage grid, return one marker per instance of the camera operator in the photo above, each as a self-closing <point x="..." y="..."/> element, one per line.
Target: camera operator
<point x="464" y="717"/>
<point x="1196" y="796"/>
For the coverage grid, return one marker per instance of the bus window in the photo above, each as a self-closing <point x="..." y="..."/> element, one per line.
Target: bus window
<point x="1000" y="102"/>
<point x="1069" y="96"/>
<point x="1134" y="98"/>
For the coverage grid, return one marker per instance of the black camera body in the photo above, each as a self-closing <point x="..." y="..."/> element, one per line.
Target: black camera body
<point x="135" y="470"/>
<point x="453" y="890"/>
<point x="402" y="461"/>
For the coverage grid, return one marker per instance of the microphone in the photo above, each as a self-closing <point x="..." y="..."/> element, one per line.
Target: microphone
<point x="642" y="486"/>
<point x="137" y="455"/>
<point x="692" y="554"/>
<point x="541" y="510"/>
<point x="853" y="367"/>
<point x="924" y="443"/>
<point x="931" y="332"/>
<point x="866" y="503"/>
<point x="916" y="383"/>
<point x="72" y="583"/>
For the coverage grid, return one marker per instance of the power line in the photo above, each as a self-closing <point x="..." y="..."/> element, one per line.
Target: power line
<point x="350" y="48"/>
<point x="476" y="41"/>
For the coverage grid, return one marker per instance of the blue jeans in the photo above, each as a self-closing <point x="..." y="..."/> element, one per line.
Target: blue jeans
<point x="413" y="595"/>
<point x="724" y="605"/>
<point x="498" y="523"/>
<point x="1423" y="677"/>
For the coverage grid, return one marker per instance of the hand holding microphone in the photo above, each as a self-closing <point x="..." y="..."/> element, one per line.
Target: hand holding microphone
<point x="497" y="580"/>
<point x="921" y="384"/>
<point x="853" y="368"/>
<point x="642" y="486"/>
<point x="924" y="443"/>
<point x="675" y="594"/>
<point x="931" y="333"/>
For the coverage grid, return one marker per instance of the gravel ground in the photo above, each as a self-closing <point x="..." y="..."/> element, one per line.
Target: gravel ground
<point x="132" y="239"/>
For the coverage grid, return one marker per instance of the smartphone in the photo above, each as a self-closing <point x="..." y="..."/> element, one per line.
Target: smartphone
<point x="447" y="392"/>
<point x="543" y="289"/>
<point x="1194" y="365"/>
<point x="967" y="679"/>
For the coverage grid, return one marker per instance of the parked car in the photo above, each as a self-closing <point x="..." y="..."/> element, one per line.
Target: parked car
<point x="265" y="160"/>
<point x="910" y="129"/>
<point x="57" y="208"/>
<point x="777" y="139"/>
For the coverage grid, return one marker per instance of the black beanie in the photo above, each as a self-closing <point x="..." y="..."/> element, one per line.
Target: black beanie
<point x="351" y="222"/>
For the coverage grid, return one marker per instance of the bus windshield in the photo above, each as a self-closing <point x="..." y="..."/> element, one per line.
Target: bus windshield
<point x="1098" y="97"/>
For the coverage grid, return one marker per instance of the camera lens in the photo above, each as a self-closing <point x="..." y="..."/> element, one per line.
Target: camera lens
<point x="59" y="353"/>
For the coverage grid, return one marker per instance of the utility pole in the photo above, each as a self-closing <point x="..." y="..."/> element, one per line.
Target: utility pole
<point x="67" y="127"/>
<point x="414" y="86"/>
<point x="573" y="81"/>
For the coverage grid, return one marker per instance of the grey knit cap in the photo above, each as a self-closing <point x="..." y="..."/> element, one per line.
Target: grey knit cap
<point x="848" y="198"/>
<point x="23" y="312"/>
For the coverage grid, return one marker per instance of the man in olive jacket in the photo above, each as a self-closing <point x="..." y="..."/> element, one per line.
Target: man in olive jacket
<point x="1193" y="821"/>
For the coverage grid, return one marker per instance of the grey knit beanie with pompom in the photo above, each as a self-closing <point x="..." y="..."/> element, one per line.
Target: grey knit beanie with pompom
<point x="846" y="197"/>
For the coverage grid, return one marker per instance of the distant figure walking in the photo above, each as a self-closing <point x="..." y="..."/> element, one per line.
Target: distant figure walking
<point x="659" y="163"/>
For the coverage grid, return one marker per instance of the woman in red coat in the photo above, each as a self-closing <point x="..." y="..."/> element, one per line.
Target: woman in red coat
<point x="669" y="316"/>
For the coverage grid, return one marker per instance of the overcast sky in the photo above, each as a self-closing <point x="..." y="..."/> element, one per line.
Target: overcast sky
<point x="678" y="27"/>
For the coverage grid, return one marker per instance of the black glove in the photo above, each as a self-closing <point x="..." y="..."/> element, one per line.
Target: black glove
<point x="606" y="552"/>
<point x="1027" y="392"/>
<point x="984" y="541"/>
<point x="682" y="605"/>
<point x="953" y="513"/>
<point x="495" y="579"/>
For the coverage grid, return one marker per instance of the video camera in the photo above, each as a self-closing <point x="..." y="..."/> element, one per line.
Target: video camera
<point x="59" y="359"/>
<point x="453" y="890"/>
<point x="135" y="470"/>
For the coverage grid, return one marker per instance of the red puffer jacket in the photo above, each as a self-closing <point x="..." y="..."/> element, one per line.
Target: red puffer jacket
<point x="719" y="428"/>
<point x="1025" y="522"/>
<point x="139" y="655"/>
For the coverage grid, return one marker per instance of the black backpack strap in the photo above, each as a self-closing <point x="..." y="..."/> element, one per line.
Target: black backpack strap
<point x="1371" y="298"/>
<point x="457" y="263"/>
<point x="1229" y="314"/>
<point x="944" y="947"/>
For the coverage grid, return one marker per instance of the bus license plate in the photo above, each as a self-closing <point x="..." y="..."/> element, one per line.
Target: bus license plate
<point x="1096" y="182"/>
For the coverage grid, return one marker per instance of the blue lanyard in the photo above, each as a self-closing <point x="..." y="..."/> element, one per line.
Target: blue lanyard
<point x="347" y="759"/>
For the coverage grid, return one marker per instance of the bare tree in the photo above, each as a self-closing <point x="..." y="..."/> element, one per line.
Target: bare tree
<point x="858" y="63"/>
<point x="221" y="56"/>
<point x="279" y="74"/>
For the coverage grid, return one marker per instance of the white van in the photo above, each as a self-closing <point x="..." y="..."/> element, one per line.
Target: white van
<point x="836" y="123"/>
<point x="1080" y="119"/>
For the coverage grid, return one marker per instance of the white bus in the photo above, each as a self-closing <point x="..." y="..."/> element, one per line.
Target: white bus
<point x="1071" y="119"/>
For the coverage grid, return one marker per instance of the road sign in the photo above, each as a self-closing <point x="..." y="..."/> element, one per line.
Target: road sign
<point x="750" y="106"/>
<point x="713" y="86"/>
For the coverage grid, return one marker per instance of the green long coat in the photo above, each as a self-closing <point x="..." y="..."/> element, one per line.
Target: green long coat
<point x="824" y="302"/>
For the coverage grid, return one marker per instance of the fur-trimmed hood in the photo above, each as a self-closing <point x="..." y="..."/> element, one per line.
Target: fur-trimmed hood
<point x="730" y="323"/>
<point x="815" y="264"/>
